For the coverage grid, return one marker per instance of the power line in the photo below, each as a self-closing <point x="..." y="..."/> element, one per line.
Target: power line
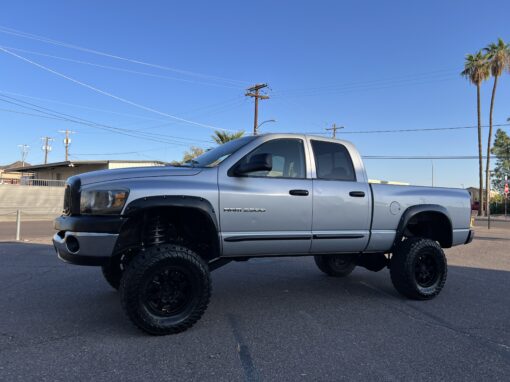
<point x="70" y="118"/>
<point x="47" y="40"/>
<point x="383" y="81"/>
<point x="52" y="116"/>
<point x="81" y="121"/>
<point x="213" y="106"/>
<point x="30" y="114"/>
<point x="120" y="153"/>
<point x="121" y="69"/>
<point x="124" y="100"/>
<point x="347" y="90"/>
<point x="411" y="130"/>
<point x="428" y="157"/>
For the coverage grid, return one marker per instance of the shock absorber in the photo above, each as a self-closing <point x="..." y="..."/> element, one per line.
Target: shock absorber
<point x="156" y="231"/>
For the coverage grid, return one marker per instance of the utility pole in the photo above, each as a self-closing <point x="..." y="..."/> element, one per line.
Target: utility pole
<point x="334" y="128"/>
<point x="254" y="92"/>
<point x="24" y="152"/>
<point x="489" y="202"/>
<point x="46" y="147"/>
<point x="432" y="163"/>
<point x="506" y="192"/>
<point x="67" y="140"/>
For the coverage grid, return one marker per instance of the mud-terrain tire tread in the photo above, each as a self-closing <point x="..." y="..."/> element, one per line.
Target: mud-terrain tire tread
<point x="323" y="263"/>
<point x="133" y="280"/>
<point x="401" y="264"/>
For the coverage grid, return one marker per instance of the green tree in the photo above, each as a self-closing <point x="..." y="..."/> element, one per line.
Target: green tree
<point x="498" y="56"/>
<point x="221" y="137"/>
<point x="501" y="150"/>
<point x="476" y="70"/>
<point x="192" y="153"/>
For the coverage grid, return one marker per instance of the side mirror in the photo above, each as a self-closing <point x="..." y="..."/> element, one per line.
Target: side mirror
<point x="259" y="162"/>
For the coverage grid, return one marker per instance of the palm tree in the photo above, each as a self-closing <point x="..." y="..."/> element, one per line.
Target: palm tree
<point x="476" y="71"/>
<point x="498" y="56"/>
<point x="221" y="137"/>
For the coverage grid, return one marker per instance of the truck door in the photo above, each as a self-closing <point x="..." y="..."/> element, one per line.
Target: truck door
<point x="268" y="212"/>
<point x="341" y="202"/>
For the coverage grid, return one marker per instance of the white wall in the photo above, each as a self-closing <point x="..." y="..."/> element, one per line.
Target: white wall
<point x="34" y="202"/>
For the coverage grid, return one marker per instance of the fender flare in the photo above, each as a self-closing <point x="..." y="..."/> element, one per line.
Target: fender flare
<point x="180" y="201"/>
<point x="412" y="211"/>
<point x="183" y="201"/>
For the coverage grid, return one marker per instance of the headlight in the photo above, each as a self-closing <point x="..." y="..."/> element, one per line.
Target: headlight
<point x="107" y="202"/>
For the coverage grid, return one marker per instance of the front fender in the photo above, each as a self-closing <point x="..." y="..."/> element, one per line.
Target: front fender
<point x="184" y="201"/>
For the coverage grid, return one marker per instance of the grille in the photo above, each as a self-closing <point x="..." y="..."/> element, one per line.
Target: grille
<point x="67" y="201"/>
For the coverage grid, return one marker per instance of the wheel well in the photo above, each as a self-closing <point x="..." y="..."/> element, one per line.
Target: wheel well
<point x="187" y="226"/>
<point x="431" y="225"/>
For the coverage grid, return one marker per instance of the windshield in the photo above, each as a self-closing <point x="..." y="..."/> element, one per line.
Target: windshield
<point x="217" y="155"/>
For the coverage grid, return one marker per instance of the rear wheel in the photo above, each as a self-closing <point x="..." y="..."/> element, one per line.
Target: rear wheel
<point x="336" y="265"/>
<point x="418" y="268"/>
<point x="165" y="289"/>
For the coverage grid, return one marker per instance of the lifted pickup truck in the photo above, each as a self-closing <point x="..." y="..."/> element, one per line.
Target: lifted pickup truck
<point x="158" y="232"/>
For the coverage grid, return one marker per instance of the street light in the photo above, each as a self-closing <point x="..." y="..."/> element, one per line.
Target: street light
<point x="266" y="121"/>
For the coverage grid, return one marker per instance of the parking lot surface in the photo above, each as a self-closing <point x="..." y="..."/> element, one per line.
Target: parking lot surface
<point x="269" y="319"/>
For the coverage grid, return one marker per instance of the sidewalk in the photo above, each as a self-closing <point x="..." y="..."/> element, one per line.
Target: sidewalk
<point x="33" y="231"/>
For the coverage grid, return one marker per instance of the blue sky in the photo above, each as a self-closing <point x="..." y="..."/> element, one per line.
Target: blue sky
<point x="366" y="65"/>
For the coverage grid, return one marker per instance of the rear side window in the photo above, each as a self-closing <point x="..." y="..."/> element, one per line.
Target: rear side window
<point x="333" y="161"/>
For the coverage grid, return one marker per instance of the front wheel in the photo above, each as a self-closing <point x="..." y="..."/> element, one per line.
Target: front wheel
<point x="336" y="265"/>
<point x="165" y="289"/>
<point x="112" y="272"/>
<point x="418" y="268"/>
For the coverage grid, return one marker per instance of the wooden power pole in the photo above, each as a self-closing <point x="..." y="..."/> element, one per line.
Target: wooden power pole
<point x="67" y="140"/>
<point x="24" y="152"/>
<point x="254" y="92"/>
<point x="46" y="147"/>
<point x="334" y="128"/>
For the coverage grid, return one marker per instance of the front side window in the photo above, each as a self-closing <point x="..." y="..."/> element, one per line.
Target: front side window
<point x="288" y="157"/>
<point x="332" y="161"/>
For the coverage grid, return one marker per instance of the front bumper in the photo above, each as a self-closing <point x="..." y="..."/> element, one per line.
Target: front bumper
<point x="84" y="248"/>
<point x="86" y="240"/>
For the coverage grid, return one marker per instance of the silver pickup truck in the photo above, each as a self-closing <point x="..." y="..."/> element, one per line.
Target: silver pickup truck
<point x="158" y="232"/>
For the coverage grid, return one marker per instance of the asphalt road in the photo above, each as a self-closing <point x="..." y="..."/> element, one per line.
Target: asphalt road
<point x="269" y="319"/>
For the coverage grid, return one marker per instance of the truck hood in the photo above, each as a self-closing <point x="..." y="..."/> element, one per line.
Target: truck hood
<point x="135" y="172"/>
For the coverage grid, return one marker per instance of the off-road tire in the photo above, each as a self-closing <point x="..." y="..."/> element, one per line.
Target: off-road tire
<point x="142" y="274"/>
<point x="336" y="265"/>
<point x="405" y="268"/>
<point x="112" y="273"/>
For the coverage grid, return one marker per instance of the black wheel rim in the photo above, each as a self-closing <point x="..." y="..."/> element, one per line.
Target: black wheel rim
<point x="426" y="270"/>
<point x="168" y="291"/>
<point x="339" y="263"/>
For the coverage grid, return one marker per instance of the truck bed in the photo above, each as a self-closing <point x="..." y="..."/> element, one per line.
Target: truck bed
<point x="390" y="201"/>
